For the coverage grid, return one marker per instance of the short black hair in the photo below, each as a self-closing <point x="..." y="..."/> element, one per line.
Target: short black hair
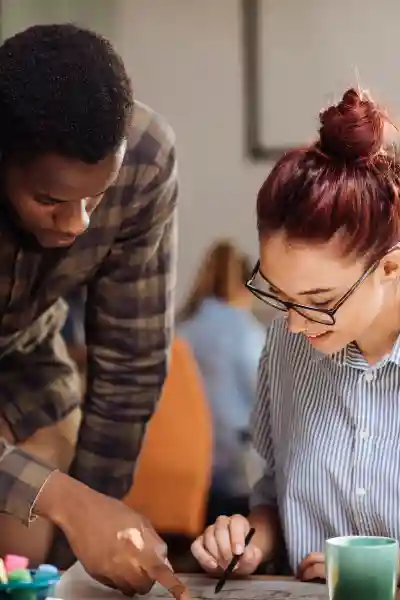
<point x="63" y="90"/>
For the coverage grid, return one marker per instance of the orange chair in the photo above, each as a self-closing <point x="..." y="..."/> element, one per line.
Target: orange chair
<point x="173" y="474"/>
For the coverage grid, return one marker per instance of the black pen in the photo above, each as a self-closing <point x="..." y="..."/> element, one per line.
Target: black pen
<point x="228" y="571"/>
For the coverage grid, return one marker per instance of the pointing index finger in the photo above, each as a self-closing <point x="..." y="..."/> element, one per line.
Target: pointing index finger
<point x="153" y="564"/>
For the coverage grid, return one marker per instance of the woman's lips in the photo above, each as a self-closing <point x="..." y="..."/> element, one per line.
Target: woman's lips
<point x="316" y="337"/>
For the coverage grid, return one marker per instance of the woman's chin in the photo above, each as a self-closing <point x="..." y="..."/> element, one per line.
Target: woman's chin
<point x="328" y="342"/>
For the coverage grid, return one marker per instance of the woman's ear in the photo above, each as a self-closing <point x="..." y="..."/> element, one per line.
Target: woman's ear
<point x="390" y="266"/>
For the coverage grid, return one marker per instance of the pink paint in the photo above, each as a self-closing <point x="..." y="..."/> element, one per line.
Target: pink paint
<point x="13" y="561"/>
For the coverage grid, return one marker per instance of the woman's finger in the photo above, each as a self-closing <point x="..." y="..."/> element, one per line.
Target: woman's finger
<point x="210" y="544"/>
<point x="238" y="529"/>
<point x="312" y="567"/>
<point x="315" y="571"/>
<point x="313" y="557"/>
<point x="206" y="560"/>
<point x="223" y="539"/>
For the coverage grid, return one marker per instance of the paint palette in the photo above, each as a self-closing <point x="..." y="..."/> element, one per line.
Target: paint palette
<point x="17" y="582"/>
<point x="37" y="589"/>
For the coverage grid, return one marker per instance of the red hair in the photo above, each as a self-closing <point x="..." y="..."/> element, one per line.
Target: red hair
<point x="345" y="183"/>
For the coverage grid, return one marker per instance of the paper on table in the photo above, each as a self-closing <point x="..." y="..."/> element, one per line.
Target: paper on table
<point x="75" y="584"/>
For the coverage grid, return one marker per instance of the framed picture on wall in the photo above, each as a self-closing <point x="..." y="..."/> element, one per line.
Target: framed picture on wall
<point x="300" y="56"/>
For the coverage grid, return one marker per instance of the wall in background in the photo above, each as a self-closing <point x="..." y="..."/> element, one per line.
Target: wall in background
<point x="16" y="16"/>
<point x="313" y="50"/>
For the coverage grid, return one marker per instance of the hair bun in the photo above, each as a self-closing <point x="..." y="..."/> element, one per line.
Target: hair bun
<point x="352" y="131"/>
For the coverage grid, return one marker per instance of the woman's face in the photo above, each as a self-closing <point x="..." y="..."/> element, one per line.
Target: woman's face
<point x="317" y="275"/>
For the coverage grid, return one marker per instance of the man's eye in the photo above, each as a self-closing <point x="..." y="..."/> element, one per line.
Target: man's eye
<point x="45" y="200"/>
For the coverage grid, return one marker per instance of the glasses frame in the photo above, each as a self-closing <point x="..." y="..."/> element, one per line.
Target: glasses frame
<point x="286" y="305"/>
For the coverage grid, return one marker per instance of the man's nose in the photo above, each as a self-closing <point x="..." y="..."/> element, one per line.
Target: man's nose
<point x="74" y="218"/>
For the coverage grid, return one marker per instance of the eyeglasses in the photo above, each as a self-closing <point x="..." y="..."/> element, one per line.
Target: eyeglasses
<point x="325" y="316"/>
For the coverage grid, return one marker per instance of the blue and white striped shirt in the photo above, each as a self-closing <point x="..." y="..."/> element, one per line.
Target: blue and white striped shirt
<point x="328" y="428"/>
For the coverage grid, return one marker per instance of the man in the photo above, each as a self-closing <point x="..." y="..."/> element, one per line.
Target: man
<point x="88" y="196"/>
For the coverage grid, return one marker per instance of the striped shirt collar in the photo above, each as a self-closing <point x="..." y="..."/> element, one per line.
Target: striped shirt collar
<point x="352" y="357"/>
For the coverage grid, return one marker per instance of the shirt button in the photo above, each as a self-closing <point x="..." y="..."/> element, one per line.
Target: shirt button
<point x="369" y="376"/>
<point x="360" y="492"/>
<point x="364" y="435"/>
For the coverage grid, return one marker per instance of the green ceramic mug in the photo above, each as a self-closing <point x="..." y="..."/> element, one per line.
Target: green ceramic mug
<point x="361" y="567"/>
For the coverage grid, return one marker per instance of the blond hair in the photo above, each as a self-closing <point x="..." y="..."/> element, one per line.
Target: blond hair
<point x="223" y="271"/>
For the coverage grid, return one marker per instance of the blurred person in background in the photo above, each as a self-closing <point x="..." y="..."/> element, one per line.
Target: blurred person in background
<point x="226" y="340"/>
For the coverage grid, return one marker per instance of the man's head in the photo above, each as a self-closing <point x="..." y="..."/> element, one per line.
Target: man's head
<point x="65" y="108"/>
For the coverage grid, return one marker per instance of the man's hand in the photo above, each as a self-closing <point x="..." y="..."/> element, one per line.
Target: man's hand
<point x="91" y="522"/>
<point x="312" y="567"/>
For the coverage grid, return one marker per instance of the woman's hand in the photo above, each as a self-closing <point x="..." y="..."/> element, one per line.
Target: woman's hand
<point x="312" y="567"/>
<point x="220" y="542"/>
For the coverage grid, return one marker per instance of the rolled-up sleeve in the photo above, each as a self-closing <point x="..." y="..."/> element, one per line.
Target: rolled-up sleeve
<point x="264" y="491"/>
<point x="21" y="479"/>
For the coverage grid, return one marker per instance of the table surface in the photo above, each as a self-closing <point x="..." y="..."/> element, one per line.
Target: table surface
<point x="76" y="585"/>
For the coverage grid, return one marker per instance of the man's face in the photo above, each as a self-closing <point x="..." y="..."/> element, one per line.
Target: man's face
<point x="54" y="197"/>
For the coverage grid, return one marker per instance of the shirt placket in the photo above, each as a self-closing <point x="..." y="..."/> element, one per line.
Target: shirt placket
<point x="361" y="491"/>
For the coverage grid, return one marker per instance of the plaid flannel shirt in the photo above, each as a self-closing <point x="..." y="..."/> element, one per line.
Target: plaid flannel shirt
<point x="127" y="261"/>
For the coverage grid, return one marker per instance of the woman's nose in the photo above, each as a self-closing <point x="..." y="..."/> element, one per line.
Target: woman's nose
<point x="296" y="323"/>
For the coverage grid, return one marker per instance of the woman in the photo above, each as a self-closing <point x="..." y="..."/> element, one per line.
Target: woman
<point x="327" y="421"/>
<point x="226" y="340"/>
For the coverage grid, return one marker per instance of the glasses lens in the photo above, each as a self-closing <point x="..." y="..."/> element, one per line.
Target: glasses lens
<point x="311" y="315"/>
<point x="315" y="315"/>
<point x="271" y="300"/>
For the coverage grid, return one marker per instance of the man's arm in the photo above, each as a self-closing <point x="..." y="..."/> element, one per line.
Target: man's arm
<point x="128" y="331"/>
<point x="21" y="479"/>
